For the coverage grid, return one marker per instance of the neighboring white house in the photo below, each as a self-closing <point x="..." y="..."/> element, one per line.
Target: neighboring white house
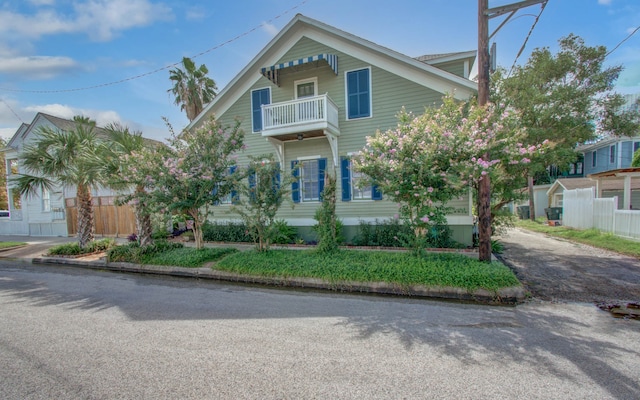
<point x="45" y="214"/>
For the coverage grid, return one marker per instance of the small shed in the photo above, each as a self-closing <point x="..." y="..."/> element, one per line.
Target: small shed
<point x="626" y="179"/>
<point x="609" y="187"/>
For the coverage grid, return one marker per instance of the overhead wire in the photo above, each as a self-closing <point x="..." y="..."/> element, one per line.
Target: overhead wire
<point x="622" y="41"/>
<point x="12" y="110"/>
<point x="162" y="68"/>
<point x="524" y="44"/>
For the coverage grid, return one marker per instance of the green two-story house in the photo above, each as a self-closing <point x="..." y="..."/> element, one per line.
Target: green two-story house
<point x="313" y="95"/>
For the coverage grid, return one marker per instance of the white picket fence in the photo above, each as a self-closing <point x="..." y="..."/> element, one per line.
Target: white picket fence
<point x="581" y="210"/>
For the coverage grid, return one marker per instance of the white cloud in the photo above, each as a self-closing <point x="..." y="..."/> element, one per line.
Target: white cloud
<point x="270" y="29"/>
<point x="195" y="14"/>
<point x="37" y="67"/>
<point x="604" y="2"/>
<point x="100" y="19"/>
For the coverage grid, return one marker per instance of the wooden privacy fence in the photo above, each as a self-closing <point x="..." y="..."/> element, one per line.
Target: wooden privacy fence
<point x="109" y="219"/>
<point x="581" y="210"/>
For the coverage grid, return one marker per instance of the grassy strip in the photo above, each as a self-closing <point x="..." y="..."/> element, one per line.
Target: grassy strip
<point x="186" y="257"/>
<point x="592" y="237"/>
<point x="5" y="245"/>
<point x="452" y="270"/>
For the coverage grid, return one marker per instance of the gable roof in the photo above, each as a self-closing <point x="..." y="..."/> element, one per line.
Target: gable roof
<point x="301" y="26"/>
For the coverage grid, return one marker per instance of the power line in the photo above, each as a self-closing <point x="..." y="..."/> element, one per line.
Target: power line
<point x="622" y="41"/>
<point x="12" y="111"/>
<point x="162" y="68"/>
<point x="524" y="44"/>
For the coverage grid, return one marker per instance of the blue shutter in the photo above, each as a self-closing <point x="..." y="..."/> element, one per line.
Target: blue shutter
<point x="358" y="95"/>
<point x="276" y="179"/>
<point x="346" y="178"/>
<point x="258" y="98"/>
<point x="234" y="193"/>
<point x="295" y="185"/>
<point x="322" y="167"/>
<point x="376" y="194"/>
<point x="214" y="192"/>
<point x="252" y="185"/>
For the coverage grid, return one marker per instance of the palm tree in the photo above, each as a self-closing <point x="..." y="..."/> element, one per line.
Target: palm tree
<point x="123" y="143"/>
<point x="192" y="87"/>
<point x="66" y="158"/>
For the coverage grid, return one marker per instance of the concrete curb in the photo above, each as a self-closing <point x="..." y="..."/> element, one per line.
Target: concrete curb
<point x="509" y="295"/>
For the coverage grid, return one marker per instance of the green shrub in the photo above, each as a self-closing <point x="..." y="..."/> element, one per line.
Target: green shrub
<point x="100" y="245"/>
<point x="134" y="253"/>
<point x="496" y="247"/>
<point x="73" y="249"/>
<point x="160" y="234"/>
<point x="388" y="233"/>
<point x="283" y="233"/>
<point x="125" y="253"/>
<point x="67" y="249"/>
<point x="225" y="232"/>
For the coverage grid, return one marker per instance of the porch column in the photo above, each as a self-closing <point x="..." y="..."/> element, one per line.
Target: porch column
<point x="627" y="192"/>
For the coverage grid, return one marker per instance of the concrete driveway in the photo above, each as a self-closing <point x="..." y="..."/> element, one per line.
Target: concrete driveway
<point x="557" y="270"/>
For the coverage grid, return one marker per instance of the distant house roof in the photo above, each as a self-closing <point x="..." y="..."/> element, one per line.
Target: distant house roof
<point x="444" y="57"/>
<point x="585" y="183"/>
<point x="63" y="125"/>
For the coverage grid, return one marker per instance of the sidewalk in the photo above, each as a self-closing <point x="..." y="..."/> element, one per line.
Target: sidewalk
<point x="35" y="252"/>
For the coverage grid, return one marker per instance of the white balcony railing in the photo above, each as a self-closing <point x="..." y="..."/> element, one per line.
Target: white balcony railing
<point x="318" y="112"/>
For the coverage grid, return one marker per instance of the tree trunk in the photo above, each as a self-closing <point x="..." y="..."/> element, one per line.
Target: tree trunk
<point x="532" y="204"/>
<point x="85" y="216"/>
<point x="143" y="222"/>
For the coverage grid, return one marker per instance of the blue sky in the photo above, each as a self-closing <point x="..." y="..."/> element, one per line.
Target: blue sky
<point x="51" y="47"/>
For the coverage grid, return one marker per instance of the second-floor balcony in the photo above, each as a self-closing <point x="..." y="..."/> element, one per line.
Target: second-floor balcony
<point x="309" y="114"/>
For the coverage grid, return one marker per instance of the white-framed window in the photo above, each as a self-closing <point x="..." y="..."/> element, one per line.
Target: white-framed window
<point x="356" y="185"/>
<point x="305" y="88"/>
<point x="12" y="166"/>
<point x="358" y="93"/>
<point x="361" y="189"/>
<point x="579" y="168"/>
<point x="258" y="98"/>
<point x="310" y="179"/>
<point x="16" y="200"/>
<point x="46" y="200"/>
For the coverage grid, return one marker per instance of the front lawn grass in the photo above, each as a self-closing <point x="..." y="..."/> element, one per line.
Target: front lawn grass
<point x="592" y="237"/>
<point x="6" y="245"/>
<point x="186" y="257"/>
<point x="403" y="268"/>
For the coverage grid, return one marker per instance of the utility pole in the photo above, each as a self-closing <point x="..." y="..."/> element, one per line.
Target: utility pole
<point x="484" y="188"/>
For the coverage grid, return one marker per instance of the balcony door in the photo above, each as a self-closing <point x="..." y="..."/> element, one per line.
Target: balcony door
<point x="307" y="110"/>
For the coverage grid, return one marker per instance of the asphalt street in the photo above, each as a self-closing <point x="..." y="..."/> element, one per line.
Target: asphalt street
<point x="81" y="334"/>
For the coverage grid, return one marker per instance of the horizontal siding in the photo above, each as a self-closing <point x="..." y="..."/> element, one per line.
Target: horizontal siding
<point x="390" y="93"/>
<point x="454" y="67"/>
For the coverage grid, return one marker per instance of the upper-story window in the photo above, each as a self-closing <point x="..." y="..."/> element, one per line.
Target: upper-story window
<point x="594" y="159"/>
<point x="306" y="88"/>
<point x="258" y="98"/>
<point x="358" y="95"/>
<point x="612" y="154"/>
